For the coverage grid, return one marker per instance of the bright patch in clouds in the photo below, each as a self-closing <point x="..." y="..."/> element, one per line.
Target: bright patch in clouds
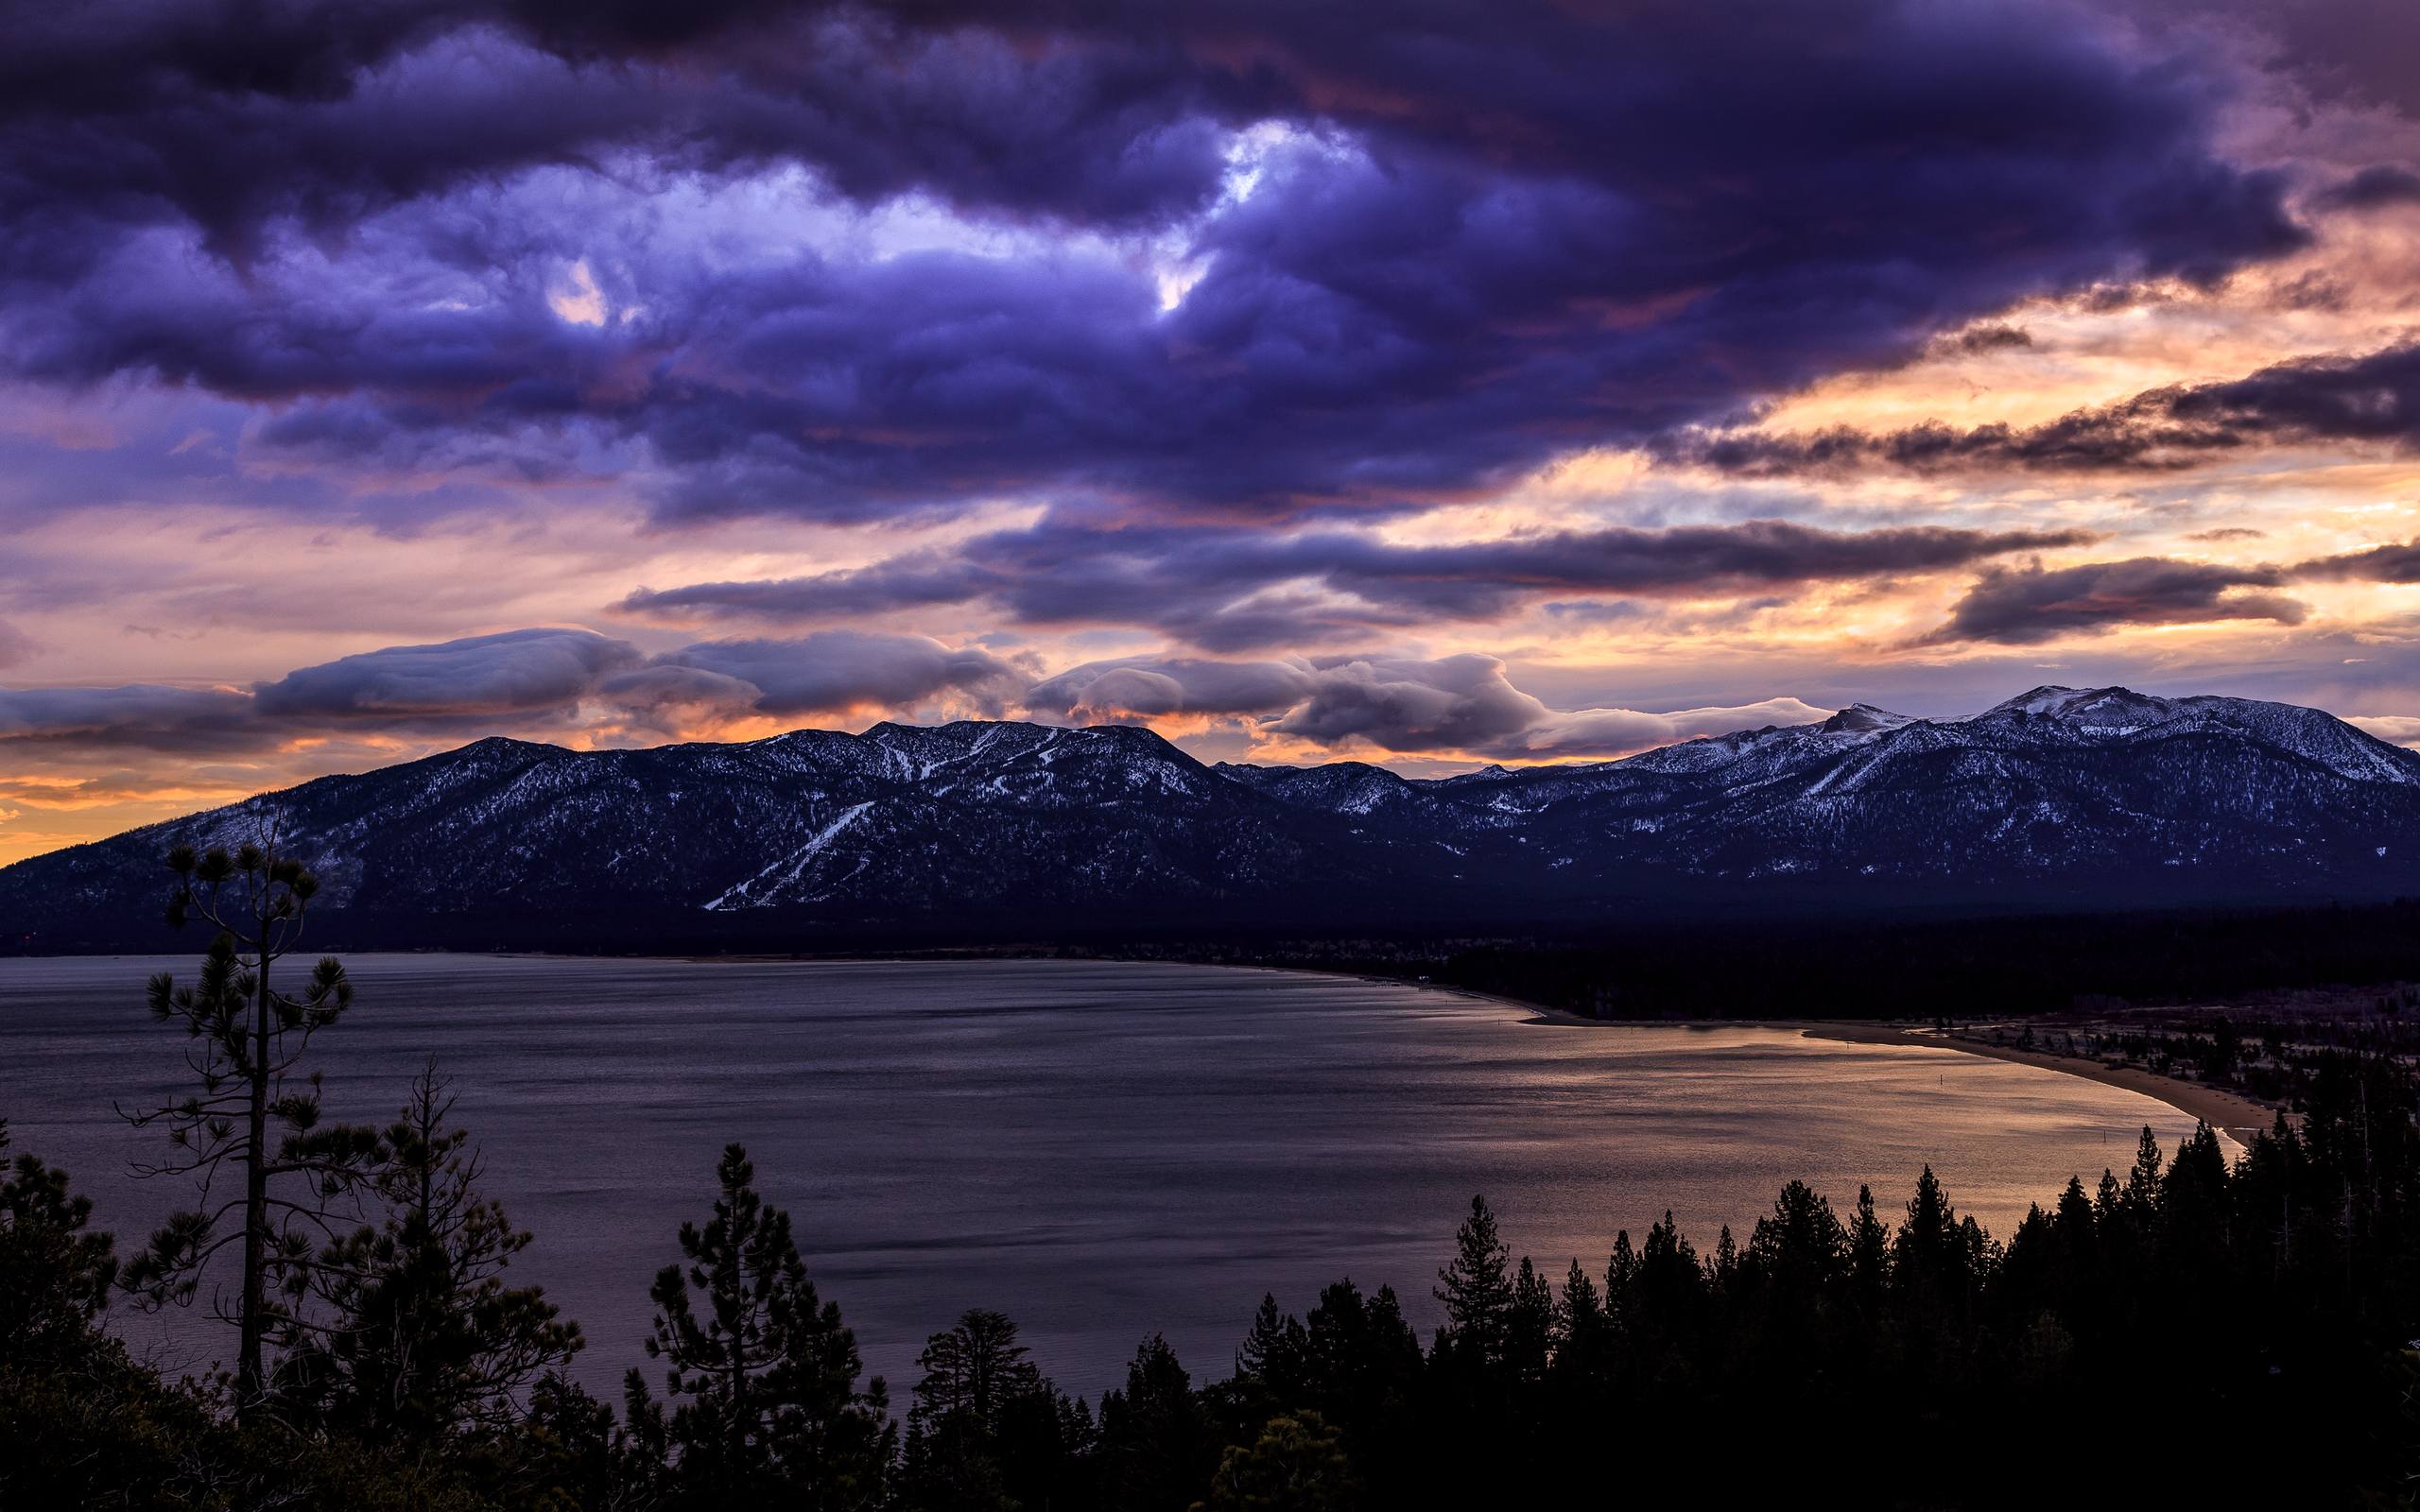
<point x="578" y="299"/>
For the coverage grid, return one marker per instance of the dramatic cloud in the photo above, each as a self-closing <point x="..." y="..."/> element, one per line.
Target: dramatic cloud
<point x="573" y="682"/>
<point x="1230" y="590"/>
<point x="15" y="644"/>
<point x="2372" y="398"/>
<point x="584" y="686"/>
<point x="1140" y="687"/>
<point x="1214" y="259"/>
<point x="840" y="670"/>
<point x="2025" y="606"/>
<point x="515" y="672"/>
<point x="1447" y="704"/>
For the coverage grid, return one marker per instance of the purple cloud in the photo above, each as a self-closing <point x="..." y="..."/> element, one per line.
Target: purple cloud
<point x="174" y="720"/>
<point x="2377" y="187"/>
<point x="516" y="672"/>
<point x="1455" y="260"/>
<point x="832" y="671"/>
<point x="1228" y="591"/>
<point x="2398" y="563"/>
<point x="2373" y="398"/>
<point x="2024" y="606"/>
<point x="535" y="681"/>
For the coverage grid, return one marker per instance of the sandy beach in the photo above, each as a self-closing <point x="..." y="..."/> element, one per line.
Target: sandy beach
<point x="2222" y="1109"/>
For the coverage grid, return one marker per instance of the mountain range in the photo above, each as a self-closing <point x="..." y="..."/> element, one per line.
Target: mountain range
<point x="2059" y="796"/>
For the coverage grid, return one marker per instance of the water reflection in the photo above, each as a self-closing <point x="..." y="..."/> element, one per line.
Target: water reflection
<point x="1099" y="1149"/>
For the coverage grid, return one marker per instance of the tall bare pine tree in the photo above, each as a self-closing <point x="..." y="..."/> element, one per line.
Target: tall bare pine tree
<point x="251" y="1120"/>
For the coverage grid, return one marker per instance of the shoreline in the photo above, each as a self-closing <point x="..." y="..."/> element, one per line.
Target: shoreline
<point x="2231" y="1112"/>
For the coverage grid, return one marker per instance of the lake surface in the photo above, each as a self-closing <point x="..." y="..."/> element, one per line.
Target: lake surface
<point x="1101" y="1150"/>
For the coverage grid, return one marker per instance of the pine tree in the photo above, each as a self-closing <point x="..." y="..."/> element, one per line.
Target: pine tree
<point x="1155" y="1452"/>
<point x="54" y="1271"/>
<point x="2195" y="1232"/>
<point x="765" y="1381"/>
<point x="2142" y="1182"/>
<point x="1622" y="1285"/>
<point x="978" y="1392"/>
<point x="1530" y="1325"/>
<point x="1671" y="1281"/>
<point x="2074" y="1215"/>
<point x="1477" y="1286"/>
<point x="423" y="1340"/>
<point x="2108" y="1203"/>
<point x="254" y="1111"/>
<point x="1799" y="1247"/>
<point x="1926" y="1252"/>
<point x="1724" y="1270"/>
<point x="1364" y="1373"/>
<point x="1581" y="1311"/>
<point x="82" y="1424"/>
<point x="1584" y="1332"/>
<point x="972" y="1371"/>
<point x="1869" y="1254"/>
<point x="1273" y="1359"/>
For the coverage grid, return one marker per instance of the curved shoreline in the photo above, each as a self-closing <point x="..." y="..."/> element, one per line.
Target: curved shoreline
<point x="2228" y="1111"/>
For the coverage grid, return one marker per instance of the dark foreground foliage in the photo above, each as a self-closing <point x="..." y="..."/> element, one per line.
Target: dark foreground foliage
<point x="2188" y="1329"/>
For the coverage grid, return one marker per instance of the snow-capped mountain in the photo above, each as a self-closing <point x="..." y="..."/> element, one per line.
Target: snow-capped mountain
<point x="2088" y="795"/>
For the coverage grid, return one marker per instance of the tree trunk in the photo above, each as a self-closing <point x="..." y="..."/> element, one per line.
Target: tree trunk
<point x="248" y="1375"/>
<point x="739" y="1424"/>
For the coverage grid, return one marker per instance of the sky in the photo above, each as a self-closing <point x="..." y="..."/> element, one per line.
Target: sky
<point x="1432" y="384"/>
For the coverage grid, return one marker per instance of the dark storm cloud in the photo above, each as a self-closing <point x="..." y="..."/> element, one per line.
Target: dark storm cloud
<point x="2370" y="399"/>
<point x="1498" y="234"/>
<point x="2375" y="188"/>
<point x="2023" y="605"/>
<point x="1228" y="590"/>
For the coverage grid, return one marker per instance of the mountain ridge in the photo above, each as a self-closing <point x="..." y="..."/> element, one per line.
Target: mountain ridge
<point x="2058" y="793"/>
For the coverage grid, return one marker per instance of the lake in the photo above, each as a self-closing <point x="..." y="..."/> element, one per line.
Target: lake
<point x="1101" y="1150"/>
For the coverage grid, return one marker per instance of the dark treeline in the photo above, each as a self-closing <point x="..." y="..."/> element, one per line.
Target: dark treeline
<point x="1760" y="964"/>
<point x="1750" y="955"/>
<point x="2187" y="1328"/>
<point x="1692" y="953"/>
